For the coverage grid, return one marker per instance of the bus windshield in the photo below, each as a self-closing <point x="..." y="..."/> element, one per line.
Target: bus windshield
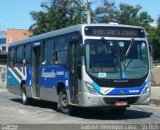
<point x="116" y="59"/>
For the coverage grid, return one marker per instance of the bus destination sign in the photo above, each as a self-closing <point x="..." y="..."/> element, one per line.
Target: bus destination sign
<point x="114" y="31"/>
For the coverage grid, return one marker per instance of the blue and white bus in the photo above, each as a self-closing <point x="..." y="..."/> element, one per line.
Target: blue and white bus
<point x="88" y="65"/>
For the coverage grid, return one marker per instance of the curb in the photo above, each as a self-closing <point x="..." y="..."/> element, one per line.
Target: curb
<point x="155" y="101"/>
<point x="3" y="89"/>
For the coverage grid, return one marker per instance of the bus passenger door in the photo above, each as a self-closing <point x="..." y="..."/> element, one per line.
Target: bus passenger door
<point x="35" y="71"/>
<point x="74" y="71"/>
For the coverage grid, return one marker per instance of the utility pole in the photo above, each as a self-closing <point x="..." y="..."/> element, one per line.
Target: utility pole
<point x="88" y="8"/>
<point x="88" y="12"/>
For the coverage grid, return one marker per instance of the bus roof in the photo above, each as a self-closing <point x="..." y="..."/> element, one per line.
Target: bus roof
<point x="62" y="31"/>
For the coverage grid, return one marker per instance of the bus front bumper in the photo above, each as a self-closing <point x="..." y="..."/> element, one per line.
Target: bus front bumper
<point x="87" y="99"/>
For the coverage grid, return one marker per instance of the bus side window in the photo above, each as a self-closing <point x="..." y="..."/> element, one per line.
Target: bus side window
<point x="11" y="57"/>
<point x="48" y="49"/>
<point x="15" y="57"/>
<point x="27" y="54"/>
<point x="54" y="58"/>
<point x="19" y="56"/>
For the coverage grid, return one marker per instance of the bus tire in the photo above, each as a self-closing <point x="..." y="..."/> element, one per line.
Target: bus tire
<point x="24" y="95"/>
<point x="63" y="103"/>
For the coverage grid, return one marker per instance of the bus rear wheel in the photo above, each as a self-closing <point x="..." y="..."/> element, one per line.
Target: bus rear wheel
<point x="24" y="96"/>
<point x="63" y="103"/>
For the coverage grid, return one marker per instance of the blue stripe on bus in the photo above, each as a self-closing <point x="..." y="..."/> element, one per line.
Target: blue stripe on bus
<point x="11" y="78"/>
<point x="51" y="75"/>
<point x="128" y="91"/>
<point x="29" y="76"/>
<point x="123" y="90"/>
<point x="97" y="87"/>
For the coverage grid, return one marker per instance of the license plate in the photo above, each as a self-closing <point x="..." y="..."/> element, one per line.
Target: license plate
<point x="121" y="103"/>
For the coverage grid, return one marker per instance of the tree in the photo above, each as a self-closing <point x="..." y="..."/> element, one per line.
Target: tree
<point x="57" y="14"/>
<point x="122" y="14"/>
<point x="156" y="41"/>
<point x="106" y="13"/>
<point x="129" y="14"/>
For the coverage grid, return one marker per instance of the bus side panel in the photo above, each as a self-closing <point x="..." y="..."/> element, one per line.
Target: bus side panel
<point x="28" y="81"/>
<point x="13" y="81"/>
<point x="14" y="78"/>
<point x="50" y="76"/>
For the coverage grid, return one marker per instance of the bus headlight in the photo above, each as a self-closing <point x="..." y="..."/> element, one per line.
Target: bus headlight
<point x="91" y="89"/>
<point x="147" y="87"/>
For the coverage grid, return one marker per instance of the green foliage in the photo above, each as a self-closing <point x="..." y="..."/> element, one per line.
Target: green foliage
<point x="156" y="41"/>
<point x="106" y="13"/>
<point x="57" y="14"/>
<point x="129" y="14"/>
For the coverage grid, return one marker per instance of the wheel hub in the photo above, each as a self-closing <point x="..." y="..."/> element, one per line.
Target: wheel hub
<point x="64" y="101"/>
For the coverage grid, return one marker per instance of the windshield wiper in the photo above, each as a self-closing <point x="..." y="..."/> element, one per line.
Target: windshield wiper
<point x="129" y="47"/>
<point x="123" y="59"/>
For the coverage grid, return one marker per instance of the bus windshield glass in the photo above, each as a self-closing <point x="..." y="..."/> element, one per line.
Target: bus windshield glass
<point x="116" y="59"/>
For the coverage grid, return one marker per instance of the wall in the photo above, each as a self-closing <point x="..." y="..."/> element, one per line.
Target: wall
<point x="156" y="76"/>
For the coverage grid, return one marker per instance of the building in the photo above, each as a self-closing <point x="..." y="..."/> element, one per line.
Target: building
<point x="15" y="35"/>
<point x="6" y="37"/>
<point x="3" y="54"/>
<point x="2" y="41"/>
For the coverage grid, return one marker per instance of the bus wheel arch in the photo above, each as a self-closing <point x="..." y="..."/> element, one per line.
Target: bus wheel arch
<point x="60" y="87"/>
<point x="21" y="85"/>
<point x="63" y="104"/>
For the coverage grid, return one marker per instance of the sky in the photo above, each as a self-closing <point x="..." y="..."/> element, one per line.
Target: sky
<point x="151" y="6"/>
<point x="15" y="13"/>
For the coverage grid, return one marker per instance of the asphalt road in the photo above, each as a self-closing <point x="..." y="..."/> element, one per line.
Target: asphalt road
<point x="37" y="113"/>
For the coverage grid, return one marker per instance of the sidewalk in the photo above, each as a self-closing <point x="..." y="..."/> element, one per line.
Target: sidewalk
<point x="3" y="89"/>
<point x="155" y="95"/>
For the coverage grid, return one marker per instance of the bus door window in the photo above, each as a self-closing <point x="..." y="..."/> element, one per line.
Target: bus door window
<point x="75" y="69"/>
<point x="36" y="61"/>
<point x="27" y="54"/>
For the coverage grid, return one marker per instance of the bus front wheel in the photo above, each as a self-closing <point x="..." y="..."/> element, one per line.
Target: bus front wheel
<point x="63" y="103"/>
